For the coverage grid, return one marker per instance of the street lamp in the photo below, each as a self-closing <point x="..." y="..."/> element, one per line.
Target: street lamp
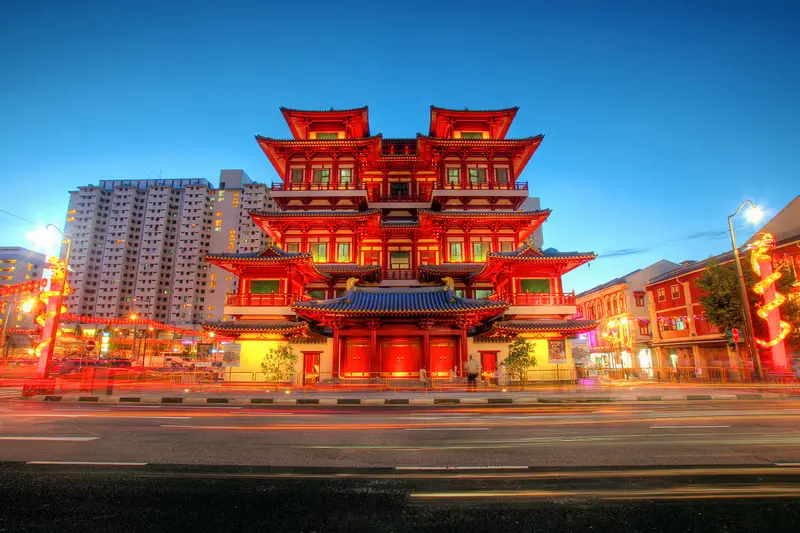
<point x="753" y="215"/>
<point x="44" y="362"/>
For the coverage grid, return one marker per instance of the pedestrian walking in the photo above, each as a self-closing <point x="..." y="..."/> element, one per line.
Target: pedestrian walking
<point x="473" y="370"/>
<point x="423" y="377"/>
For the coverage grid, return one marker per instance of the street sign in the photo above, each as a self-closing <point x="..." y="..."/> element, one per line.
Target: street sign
<point x="735" y="334"/>
<point x="90" y="345"/>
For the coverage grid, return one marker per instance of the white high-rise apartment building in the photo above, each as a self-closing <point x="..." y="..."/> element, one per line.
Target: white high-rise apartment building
<point x="19" y="265"/>
<point x="137" y="245"/>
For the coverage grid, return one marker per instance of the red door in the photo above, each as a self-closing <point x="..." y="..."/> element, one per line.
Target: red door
<point x="443" y="357"/>
<point x="400" y="357"/>
<point x="311" y="367"/>
<point x="489" y="362"/>
<point x="355" y="363"/>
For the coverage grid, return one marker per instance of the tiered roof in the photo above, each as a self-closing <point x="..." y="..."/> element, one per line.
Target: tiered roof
<point x="515" y="327"/>
<point x="530" y="254"/>
<point x="354" y="121"/>
<point x="498" y="120"/>
<point x="271" y="327"/>
<point x="407" y="301"/>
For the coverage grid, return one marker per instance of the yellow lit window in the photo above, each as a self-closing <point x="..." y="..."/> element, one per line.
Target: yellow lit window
<point x="71" y="212"/>
<point x="30" y="267"/>
<point x="219" y="214"/>
<point x="210" y="307"/>
<point x="70" y="219"/>
<point x="213" y="277"/>
<point x="212" y="285"/>
<point x="218" y="223"/>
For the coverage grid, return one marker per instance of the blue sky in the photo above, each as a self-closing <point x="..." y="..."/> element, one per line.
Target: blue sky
<point x="659" y="117"/>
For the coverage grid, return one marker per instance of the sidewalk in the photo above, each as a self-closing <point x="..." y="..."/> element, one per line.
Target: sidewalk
<point x="566" y="394"/>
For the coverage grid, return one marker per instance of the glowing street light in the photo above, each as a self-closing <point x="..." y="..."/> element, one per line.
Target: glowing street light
<point x="754" y="214"/>
<point x="27" y="306"/>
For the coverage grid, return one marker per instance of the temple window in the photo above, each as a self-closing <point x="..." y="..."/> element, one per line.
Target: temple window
<point x="293" y="247"/>
<point x="327" y="136"/>
<point x="477" y="175"/>
<point x="316" y="294"/>
<point x="506" y="246"/>
<point x="343" y="252"/>
<point x="297" y="176"/>
<point x="399" y="261"/>
<point x="453" y="176"/>
<point x="471" y="135"/>
<point x="535" y="285"/>
<point x="482" y="293"/>
<point x="265" y="286"/>
<point x="479" y="250"/>
<point x="322" y="176"/>
<point x="399" y="188"/>
<point x="456" y="254"/>
<point x="501" y="175"/>
<point x="345" y="176"/>
<point x="319" y="251"/>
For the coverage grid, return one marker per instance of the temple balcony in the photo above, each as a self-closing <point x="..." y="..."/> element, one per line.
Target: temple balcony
<point x="261" y="304"/>
<point x="538" y="304"/>
<point x="286" y="193"/>
<point x="410" y="199"/>
<point x="486" y="188"/>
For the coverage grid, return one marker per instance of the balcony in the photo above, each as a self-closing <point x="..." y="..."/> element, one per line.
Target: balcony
<point x="529" y="303"/>
<point x="423" y="196"/>
<point x="261" y="304"/>
<point x="400" y="274"/>
<point x="283" y="187"/>
<point x="483" y="186"/>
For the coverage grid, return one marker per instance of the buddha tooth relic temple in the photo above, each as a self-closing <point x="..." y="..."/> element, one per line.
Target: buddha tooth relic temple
<point x="393" y="255"/>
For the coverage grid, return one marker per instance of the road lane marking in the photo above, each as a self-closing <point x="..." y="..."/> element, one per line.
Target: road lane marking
<point x="58" y="439"/>
<point x="686" y="427"/>
<point x="461" y="468"/>
<point x="92" y="463"/>
<point x="786" y="464"/>
<point x="446" y="429"/>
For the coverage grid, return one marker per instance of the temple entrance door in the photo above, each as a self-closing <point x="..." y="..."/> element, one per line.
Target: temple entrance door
<point x="400" y="357"/>
<point x="443" y="357"/>
<point x="355" y="363"/>
<point x="310" y="367"/>
<point x="489" y="365"/>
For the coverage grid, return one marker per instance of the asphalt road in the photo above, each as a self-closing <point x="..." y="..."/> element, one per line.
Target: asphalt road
<point x="641" y="466"/>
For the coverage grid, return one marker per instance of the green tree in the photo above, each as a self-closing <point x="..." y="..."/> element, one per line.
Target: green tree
<point x="278" y="363"/>
<point x="722" y="302"/>
<point x="520" y="358"/>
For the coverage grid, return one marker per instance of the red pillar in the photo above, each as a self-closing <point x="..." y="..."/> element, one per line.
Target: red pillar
<point x="374" y="353"/>
<point x="425" y="361"/>
<point x="463" y="349"/>
<point x="336" y="352"/>
<point x="777" y="352"/>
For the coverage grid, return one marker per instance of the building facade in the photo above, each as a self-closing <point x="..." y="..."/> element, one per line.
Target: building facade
<point x="683" y="338"/>
<point x="19" y="265"/>
<point x="623" y="336"/>
<point x="137" y="245"/>
<point x="388" y="256"/>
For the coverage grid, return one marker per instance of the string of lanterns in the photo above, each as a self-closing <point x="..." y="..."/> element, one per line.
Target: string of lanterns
<point x="69" y="317"/>
<point x="20" y="288"/>
<point x="759" y="254"/>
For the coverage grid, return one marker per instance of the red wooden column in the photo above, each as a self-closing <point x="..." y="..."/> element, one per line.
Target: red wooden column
<point x="425" y="360"/>
<point x="374" y="354"/>
<point x="336" y="324"/>
<point x="467" y="244"/>
<point x="414" y="260"/>
<point x="463" y="349"/>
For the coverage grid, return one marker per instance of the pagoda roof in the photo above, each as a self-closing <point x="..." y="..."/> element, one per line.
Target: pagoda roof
<point x="514" y="327"/>
<point x="298" y="120"/>
<point x="520" y="149"/>
<point x="400" y="223"/>
<point x="282" y="327"/>
<point x="398" y="301"/>
<point x="455" y="270"/>
<point x="499" y="119"/>
<point x="528" y="253"/>
<point x="238" y="263"/>
<point x="276" y="149"/>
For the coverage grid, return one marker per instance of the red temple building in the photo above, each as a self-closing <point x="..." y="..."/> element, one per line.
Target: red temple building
<point x="393" y="255"/>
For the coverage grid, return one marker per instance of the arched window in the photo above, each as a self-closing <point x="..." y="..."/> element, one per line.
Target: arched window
<point x="608" y="305"/>
<point x="614" y="306"/>
<point x="621" y="301"/>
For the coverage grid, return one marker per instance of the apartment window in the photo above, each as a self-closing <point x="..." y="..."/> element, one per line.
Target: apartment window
<point x="477" y="175"/>
<point x="327" y="136"/>
<point x="297" y="176"/>
<point x="218" y="223"/>
<point x="319" y="252"/>
<point x="345" y="176"/>
<point x="456" y="255"/>
<point x="639" y="300"/>
<point x="399" y="260"/>
<point x="662" y="296"/>
<point x="322" y="176"/>
<point x="501" y="175"/>
<point x="343" y="252"/>
<point x="453" y="177"/>
<point x="471" y="135"/>
<point x="644" y="328"/>
<point x="676" y="291"/>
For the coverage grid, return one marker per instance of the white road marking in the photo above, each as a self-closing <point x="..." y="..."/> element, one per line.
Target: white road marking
<point x="686" y="427"/>
<point x="93" y="463"/>
<point x="447" y="429"/>
<point x="461" y="468"/>
<point x="58" y="439"/>
<point x="786" y="464"/>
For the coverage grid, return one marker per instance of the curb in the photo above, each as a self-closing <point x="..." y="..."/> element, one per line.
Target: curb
<point x="282" y="400"/>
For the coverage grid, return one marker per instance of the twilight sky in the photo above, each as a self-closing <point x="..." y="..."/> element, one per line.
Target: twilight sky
<point x="659" y="117"/>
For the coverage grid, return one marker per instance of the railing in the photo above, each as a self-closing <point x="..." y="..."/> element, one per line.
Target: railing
<point x="270" y="299"/>
<point x="398" y="274"/>
<point x="537" y="298"/>
<point x="702" y="328"/>
<point x="422" y="196"/>
<point x="487" y="185"/>
<point x="317" y="186"/>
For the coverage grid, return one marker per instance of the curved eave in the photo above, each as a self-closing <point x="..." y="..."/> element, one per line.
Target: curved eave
<point x="435" y="272"/>
<point x="273" y="148"/>
<point x="507" y="115"/>
<point x="332" y="115"/>
<point x="269" y="328"/>
<point x="495" y="263"/>
<point x="540" y="213"/>
<point x="312" y="311"/>
<point x="543" y="326"/>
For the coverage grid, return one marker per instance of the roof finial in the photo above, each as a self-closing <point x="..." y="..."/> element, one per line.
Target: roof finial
<point x="449" y="284"/>
<point x="351" y="282"/>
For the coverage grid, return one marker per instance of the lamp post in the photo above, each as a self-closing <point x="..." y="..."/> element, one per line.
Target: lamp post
<point x="754" y="214"/>
<point x="44" y="362"/>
